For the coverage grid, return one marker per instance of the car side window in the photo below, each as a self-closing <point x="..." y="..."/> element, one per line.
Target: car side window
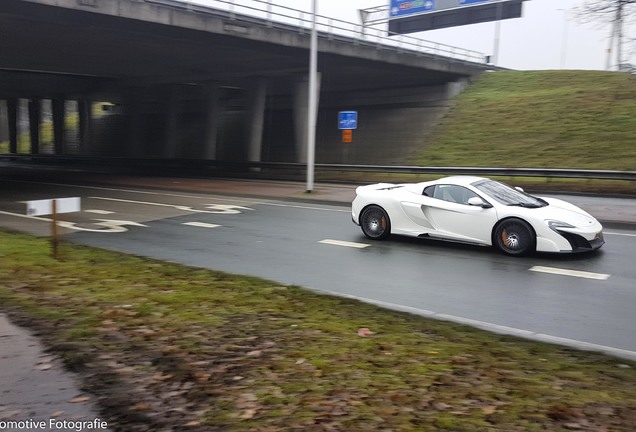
<point x="429" y="191"/>
<point x="453" y="193"/>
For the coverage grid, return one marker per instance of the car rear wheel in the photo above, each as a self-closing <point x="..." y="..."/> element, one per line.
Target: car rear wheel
<point x="375" y="223"/>
<point x="514" y="237"/>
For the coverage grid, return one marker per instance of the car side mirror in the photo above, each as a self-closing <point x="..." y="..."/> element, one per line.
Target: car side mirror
<point x="519" y="189"/>
<point x="478" y="202"/>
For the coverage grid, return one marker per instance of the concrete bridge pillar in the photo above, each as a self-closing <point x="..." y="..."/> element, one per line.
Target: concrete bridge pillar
<point x="133" y="106"/>
<point x="35" y="118"/>
<point x="257" y="96"/>
<point x="456" y="87"/>
<point x="85" y="114"/>
<point x="12" y="117"/>
<point x="171" y="121"/>
<point x="212" y="110"/>
<point x="301" y="102"/>
<point x="59" y="114"/>
<point x="4" y="122"/>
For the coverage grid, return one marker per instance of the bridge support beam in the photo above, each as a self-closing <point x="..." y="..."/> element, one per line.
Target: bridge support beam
<point x="59" y="111"/>
<point x="456" y="87"/>
<point x="12" y="117"/>
<point x="4" y="122"/>
<point x="85" y="114"/>
<point x="133" y="106"/>
<point x="301" y="102"/>
<point x="257" y="97"/>
<point x="35" y="118"/>
<point x="171" y="120"/>
<point x="212" y="110"/>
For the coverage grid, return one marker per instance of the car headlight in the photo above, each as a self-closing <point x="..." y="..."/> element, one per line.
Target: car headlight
<point x="556" y="224"/>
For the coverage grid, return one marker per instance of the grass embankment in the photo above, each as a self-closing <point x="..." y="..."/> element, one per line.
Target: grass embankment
<point x="201" y="350"/>
<point x="541" y="119"/>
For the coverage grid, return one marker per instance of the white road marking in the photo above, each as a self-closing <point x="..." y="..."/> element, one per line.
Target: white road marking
<point x="306" y="207"/>
<point x="619" y="234"/>
<point x="344" y="243"/>
<point x="132" y="190"/>
<point x="213" y="208"/>
<point x="201" y="224"/>
<point x="566" y="272"/>
<point x="110" y="226"/>
<point x="250" y="201"/>
<point x="24" y="216"/>
<point x="102" y="212"/>
<point x="494" y="328"/>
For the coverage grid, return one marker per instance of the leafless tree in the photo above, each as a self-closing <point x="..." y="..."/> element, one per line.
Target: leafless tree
<point x="614" y="13"/>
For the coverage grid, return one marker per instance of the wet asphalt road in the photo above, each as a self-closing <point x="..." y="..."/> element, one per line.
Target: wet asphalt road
<point x="317" y="246"/>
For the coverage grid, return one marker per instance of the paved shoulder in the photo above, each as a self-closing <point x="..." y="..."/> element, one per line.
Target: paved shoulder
<point x="35" y="388"/>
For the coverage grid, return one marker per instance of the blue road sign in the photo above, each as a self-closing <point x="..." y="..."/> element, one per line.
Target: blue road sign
<point x="348" y="120"/>
<point x="408" y="7"/>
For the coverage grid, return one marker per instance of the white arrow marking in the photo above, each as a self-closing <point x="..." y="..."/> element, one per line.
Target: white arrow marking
<point x="226" y="208"/>
<point x="213" y="208"/>
<point x="110" y="226"/>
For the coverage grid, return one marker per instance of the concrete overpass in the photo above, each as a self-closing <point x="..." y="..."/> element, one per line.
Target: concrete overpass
<point x="187" y="81"/>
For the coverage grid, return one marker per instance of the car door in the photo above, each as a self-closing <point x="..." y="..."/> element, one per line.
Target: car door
<point x="454" y="218"/>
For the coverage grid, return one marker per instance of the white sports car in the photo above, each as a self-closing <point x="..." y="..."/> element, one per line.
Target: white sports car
<point x="475" y="210"/>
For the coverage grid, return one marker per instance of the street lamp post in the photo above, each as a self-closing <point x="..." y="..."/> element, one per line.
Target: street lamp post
<point x="312" y="108"/>
<point x="495" y="57"/>
<point x="564" y="38"/>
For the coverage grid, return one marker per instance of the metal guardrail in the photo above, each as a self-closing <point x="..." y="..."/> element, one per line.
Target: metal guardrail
<point x="266" y="13"/>
<point x="211" y="167"/>
<point x="492" y="171"/>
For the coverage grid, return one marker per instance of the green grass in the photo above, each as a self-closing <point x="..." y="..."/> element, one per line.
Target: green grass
<point x="542" y="119"/>
<point x="245" y="354"/>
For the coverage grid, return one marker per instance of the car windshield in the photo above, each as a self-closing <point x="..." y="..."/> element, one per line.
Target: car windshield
<point x="507" y="195"/>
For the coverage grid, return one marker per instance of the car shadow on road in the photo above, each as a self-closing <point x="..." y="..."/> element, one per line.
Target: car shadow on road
<point x="434" y="246"/>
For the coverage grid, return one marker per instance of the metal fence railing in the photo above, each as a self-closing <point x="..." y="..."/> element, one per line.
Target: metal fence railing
<point x="201" y="167"/>
<point x="490" y="171"/>
<point x="267" y="13"/>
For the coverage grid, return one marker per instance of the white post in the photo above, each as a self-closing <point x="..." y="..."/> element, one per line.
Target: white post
<point x="608" y="57"/>
<point x="495" y="59"/>
<point x="311" y="112"/>
<point x="564" y="40"/>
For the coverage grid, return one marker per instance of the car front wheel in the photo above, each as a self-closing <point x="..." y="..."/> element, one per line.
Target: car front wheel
<point x="375" y="223"/>
<point x="514" y="237"/>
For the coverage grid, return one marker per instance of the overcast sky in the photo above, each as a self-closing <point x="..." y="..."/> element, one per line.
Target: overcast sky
<point x="550" y="35"/>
